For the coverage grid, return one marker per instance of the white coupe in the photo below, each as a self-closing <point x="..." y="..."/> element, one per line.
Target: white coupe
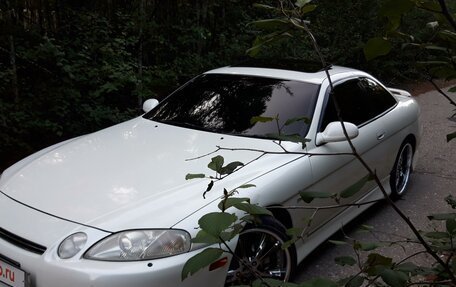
<point x="114" y="209"/>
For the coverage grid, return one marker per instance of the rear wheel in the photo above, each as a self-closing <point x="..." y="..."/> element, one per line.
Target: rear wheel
<point x="259" y="254"/>
<point x="402" y="169"/>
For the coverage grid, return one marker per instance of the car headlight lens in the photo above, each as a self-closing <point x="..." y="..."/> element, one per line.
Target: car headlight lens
<point x="140" y="245"/>
<point x="72" y="245"/>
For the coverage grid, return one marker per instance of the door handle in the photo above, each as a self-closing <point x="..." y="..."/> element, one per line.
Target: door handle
<point x="380" y="135"/>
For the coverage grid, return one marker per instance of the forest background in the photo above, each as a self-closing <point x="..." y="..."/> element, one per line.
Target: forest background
<point x="70" y="67"/>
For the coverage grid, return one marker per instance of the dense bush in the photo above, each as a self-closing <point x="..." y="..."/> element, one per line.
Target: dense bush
<point x="72" y="67"/>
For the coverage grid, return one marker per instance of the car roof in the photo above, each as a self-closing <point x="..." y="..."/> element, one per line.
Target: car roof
<point x="289" y="69"/>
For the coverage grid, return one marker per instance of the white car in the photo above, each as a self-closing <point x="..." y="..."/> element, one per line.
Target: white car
<point x="114" y="208"/>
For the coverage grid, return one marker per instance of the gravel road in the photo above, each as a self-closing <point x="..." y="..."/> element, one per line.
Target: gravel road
<point x="433" y="179"/>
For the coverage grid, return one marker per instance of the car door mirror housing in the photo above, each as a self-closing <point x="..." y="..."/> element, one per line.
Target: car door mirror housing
<point x="149" y="104"/>
<point x="335" y="133"/>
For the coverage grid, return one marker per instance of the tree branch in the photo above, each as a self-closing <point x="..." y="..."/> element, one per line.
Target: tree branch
<point x="447" y="14"/>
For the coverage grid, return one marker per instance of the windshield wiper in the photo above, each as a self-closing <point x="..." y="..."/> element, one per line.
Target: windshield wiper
<point x="187" y="125"/>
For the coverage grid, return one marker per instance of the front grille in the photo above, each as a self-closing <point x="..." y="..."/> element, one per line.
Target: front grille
<point x="21" y="242"/>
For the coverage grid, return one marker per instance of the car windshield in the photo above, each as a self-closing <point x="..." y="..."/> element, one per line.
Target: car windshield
<point x="226" y="104"/>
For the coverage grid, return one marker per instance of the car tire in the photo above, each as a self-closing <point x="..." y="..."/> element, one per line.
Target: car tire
<point x="259" y="253"/>
<point x="400" y="175"/>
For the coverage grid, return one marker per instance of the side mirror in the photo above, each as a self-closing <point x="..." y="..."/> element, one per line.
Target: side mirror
<point x="149" y="104"/>
<point x="334" y="133"/>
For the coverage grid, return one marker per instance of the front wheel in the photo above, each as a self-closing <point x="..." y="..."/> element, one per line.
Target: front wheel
<point x="259" y="254"/>
<point x="402" y="169"/>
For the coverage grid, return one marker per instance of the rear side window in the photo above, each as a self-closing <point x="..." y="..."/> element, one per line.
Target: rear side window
<point x="360" y="101"/>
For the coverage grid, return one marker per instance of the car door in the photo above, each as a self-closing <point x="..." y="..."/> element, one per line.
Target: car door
<point x="335" y="171"/>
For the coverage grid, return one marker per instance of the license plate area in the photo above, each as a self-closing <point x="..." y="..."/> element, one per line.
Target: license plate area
<point x="11" y="275"/>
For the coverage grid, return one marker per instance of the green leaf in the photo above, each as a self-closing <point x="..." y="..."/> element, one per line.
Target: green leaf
<point x="407" y="267"/>
<point x="355" y="188"/>
<point x="308" y="8"/>
<point x="337" y="242"/>
<point x="229" y="168"/>
<point x="216" y="222"/>
<point x="204" y="237"/>
<point x="200" y="261"/>
<point x="319" y="282"/>
<point x="345" y="260"/>
<point x="209" y="188"/>
<point x="451" y="136"/>
<point x="395" y="8"/>
<point x="452" y="89"/>
<point x="255" y="120"/>
<point x="451" y="200"/>
<point x="302" y="3"/>
<point x="252" y="209"/>
<point x="291" y="138"/>
<point x="437" y="235"/>
<point x="442" y="216"/>
<point x="194" y="175"/>
<point x="264" y="6"/>
<point x="394" y="278"/>
<point x="376" y="263"/>
<point x="246" y="186"/>
<point x="376" y="47"/>
<point x="229" y="202"/>
<point x="293" y="120"/>
<point x="366" y="246"/>
<point x="216" y="163"/>
<point x="355" y="281"/>
<point x="271" y="24"/>
<point x="309" y="196"/>
<point x="451" y="226"/>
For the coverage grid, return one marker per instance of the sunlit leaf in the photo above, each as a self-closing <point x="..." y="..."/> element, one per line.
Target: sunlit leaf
<point x="376" y="47"/>
<point x="258" y="119"/>
<point x="302" y="3"/>
<point x="298" y="119"/>
<point x="200" y="261"/>
<point x="355" y="188"/>
<point x="216" y="222"/>
<point x="194" y="175"/>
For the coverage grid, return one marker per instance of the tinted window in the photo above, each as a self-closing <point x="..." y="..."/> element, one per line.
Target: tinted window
<point x="227" y="103"/>
<point x="360" y="100"/>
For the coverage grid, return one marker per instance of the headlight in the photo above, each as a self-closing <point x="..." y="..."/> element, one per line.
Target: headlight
<point x="72" y="245"/>
<point x="140" y="245"/>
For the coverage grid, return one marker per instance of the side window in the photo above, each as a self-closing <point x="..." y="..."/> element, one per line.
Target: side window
<point x="380" y="100"/>
<point x="360" y="100"/>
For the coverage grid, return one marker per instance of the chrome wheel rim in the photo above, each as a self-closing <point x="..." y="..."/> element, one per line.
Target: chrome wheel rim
<point x="258" y="254"/>
<point x="403" y="168"/>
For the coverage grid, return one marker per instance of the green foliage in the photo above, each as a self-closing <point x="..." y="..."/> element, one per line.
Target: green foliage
<point x="200" y="261"/>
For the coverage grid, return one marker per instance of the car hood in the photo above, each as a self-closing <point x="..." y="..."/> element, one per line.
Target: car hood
<point x="131" y="175"/>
